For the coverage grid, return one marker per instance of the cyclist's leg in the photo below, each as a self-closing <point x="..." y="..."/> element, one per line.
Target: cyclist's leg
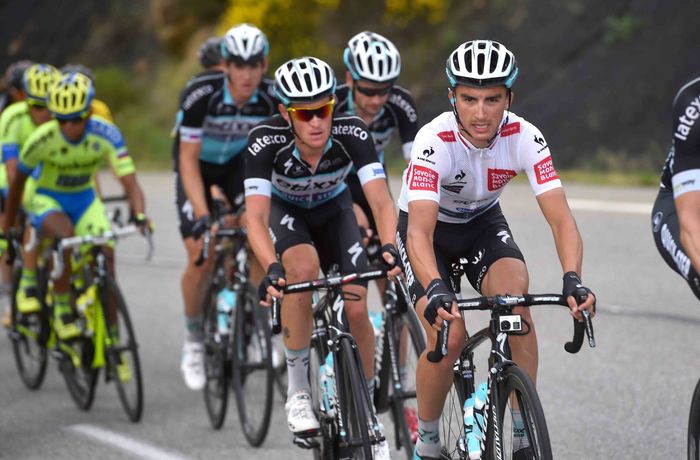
<point x="26" y="294"/>
<point x="5" y="268"/>
<point x="666" y="232"/>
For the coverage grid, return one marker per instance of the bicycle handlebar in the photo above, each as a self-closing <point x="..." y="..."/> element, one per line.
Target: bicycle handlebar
<point x="320" y="283"/>
<point x="506" y="303"/>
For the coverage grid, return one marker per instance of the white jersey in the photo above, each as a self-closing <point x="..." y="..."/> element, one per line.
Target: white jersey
<point x="466" y="181"/>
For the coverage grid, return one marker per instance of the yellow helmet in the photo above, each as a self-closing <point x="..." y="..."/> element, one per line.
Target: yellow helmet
<point x="71" y="96"/>
<point x="37" y="80"/>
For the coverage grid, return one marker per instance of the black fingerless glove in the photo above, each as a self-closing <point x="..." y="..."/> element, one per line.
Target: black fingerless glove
<point x="200" y="226"/>
<point x="574" y="287"/>
<point x="439" y="296"/>
<point x="275" y="272"/>
<point x="391" y="249"/>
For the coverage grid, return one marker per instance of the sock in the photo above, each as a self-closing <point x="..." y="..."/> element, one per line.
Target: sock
<point x="520" y="440"/>
<point x="194" y="328"/>
<point x="428" y="444"/>
<point x="297" y="370"/>
<point x="61" y="304"/>
<point x="28" y="278"/>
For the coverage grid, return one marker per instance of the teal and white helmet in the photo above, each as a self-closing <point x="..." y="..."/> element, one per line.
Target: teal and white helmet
<point x="304" y="79"/>
<point x="481" y="63"/>
<point x="369" y="56"/>
<point x="244" y="43"/>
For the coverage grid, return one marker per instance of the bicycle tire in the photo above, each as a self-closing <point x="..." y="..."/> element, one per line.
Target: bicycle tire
<point x="217" y="362"/>
<point x="81" y="381"/>
<point x="119" y="352"/>
<point x="452" y="418"/>
<point x="29" y="334"/>
<point x="253" y="374"/>
<point x="694" y="426"/>
<point x="327" y="449"/>
<point x="516" y="383"/>
<point x="353" y="397"/>
<point x="399" y="403"/>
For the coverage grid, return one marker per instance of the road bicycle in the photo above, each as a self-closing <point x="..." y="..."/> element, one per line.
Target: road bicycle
<point x="108" y="340"/>
<point x="694" y="425"/>
<point x="511" y="423"/>
<point x="238" y="351"/>
<point x="348" y="424"/>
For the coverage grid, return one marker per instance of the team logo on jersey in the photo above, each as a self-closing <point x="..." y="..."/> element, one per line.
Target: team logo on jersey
<point x="428" y="152"/>
<point x="656" y="221"/>
<point x="355" y="250"/>
<point x="497" y="178"/>
<point x="453" y="188"/>
<point x="423" y="178"/>
<point x="510" y="129"/>
<point x="504" y="236"/>
<point x="460" y="176"/>
<point x="545" y="172"/>
<point x="288" y="221"/>
<point x="540" y="140"/>
<point x="447" y="136"/>
<point x="687" y="120"/>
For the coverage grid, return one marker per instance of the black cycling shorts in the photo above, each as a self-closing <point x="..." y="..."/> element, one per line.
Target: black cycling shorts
<point x="666" y="230"/>
<point x="476" y="245"/>
<point x="228" y="176"/>
<point x="330" y="227"/>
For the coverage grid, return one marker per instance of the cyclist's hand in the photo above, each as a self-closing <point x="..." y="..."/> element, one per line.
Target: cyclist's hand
<point x="440" y="299"/>
<point x="391" y="260"/>
<point x="144" y="224"/>
<point x="271" y="284"/>
<point x="200" y="226"/>
<point x="573" y="289"/>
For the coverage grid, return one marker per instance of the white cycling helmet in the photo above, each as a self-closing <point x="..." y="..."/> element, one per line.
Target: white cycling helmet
<point x="481" y="63"/>
<point x="303" y="80"/>
<point x="369" y="56"/>
<point x="244" y="43"/>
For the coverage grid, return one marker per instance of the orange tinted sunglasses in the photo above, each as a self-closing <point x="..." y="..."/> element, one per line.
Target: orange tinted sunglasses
<point x="307" y="114"/>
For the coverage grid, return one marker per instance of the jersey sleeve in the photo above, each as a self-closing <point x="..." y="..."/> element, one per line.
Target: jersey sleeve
<point x="686" y="141"/>
<point x="407" y="118"/>
<point x="536" y="160"/>
<point x="430" y="163"/>
<point x="194" y="109"/>
<point x="31" y="153"/>
<point x="355" y="136"/>
<point x="9" y="135"/>
<point x="259" y="161"/>
<point x="119" y="157"/>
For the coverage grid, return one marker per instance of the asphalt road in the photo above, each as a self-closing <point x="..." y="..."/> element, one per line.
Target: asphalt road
<point x="626" y="399"/>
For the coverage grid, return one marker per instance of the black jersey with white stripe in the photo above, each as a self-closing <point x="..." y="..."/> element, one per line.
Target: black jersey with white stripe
<point x="274" y="165"/>
<point x="681" y="172"/>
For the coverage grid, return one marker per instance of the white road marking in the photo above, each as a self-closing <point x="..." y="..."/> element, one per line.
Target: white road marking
<point x="134" y="447"/>
<point x="627" y="207"/>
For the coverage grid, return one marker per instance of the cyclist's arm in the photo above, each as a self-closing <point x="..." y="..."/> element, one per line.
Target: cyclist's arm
<point x="134" y="193"/>
<point x="422" y="218"/>
<point x="191" y="177"/>
<point x="377" y="193"/>
<point x="567" y="238"/>
<point x="14" y="197"/>
<point x="688" y="209"/>
<point x="257" y="216"/>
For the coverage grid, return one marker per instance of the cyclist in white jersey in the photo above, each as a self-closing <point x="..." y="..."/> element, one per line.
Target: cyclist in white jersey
<point x="460" y="163"/>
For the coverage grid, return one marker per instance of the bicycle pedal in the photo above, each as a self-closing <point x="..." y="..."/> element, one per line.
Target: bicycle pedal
<point x="306" y="442"/>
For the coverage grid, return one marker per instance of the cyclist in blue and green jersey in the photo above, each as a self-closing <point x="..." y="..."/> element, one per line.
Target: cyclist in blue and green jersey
<point x="17" y="122"/>
<point x="70" y="150"/>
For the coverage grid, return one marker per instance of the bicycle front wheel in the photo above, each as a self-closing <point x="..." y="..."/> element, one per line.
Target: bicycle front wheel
<point x="694" y="426"/>
<point x="253" y="373"/>
<point x="29" y="334"/>
<point x="409" y="343"/>
<point x="521" y="423"/>
<point x="122" y="350"/>
<point x="217" y="363"/>
<point x="78" y="372"/>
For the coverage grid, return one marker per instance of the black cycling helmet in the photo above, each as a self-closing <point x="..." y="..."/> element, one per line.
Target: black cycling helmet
<point x="15" y="72"/>
<point x="79" y="68"/>
<point x="209" y="54"/>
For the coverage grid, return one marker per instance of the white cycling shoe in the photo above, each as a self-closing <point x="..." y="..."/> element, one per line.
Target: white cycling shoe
<point x="300" y="415"/>
<point x="192" y="366"/>
<point x="381" y="451"/>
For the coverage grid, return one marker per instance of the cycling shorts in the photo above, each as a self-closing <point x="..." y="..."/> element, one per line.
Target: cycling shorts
<point x="476" y="245"/>
<point x="666" y="230"/>
<point x="330" y="227"/>
<point x="228" y="176"/>
<point x="84" y="209"/>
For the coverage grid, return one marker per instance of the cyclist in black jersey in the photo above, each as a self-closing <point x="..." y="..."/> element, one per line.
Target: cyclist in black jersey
<point x="675" y="223"/>
<point x="373" y="64"/>
<point x="299" y="209"/>
<point x="218" y="110"/>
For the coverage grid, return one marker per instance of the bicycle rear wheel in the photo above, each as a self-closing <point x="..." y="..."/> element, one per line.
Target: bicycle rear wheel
<point x="75" y="364"/>
<point x="29" y="334"/>
<point x="353" y="401"/>
<point x="122" y="350"/>
<point x="517" y="394"/>
<point x="217" y="362"/>
<point x="253" y="374"/>
<point x="694" y="426"/>
<point x="409" y="343"/>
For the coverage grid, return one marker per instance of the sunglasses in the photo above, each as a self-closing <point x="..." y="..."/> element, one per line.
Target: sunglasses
<point x="373" y="91"/>
<point x="307" y="114"/>
<point x="73" y="120"/>
<point x="35" y="104"/>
